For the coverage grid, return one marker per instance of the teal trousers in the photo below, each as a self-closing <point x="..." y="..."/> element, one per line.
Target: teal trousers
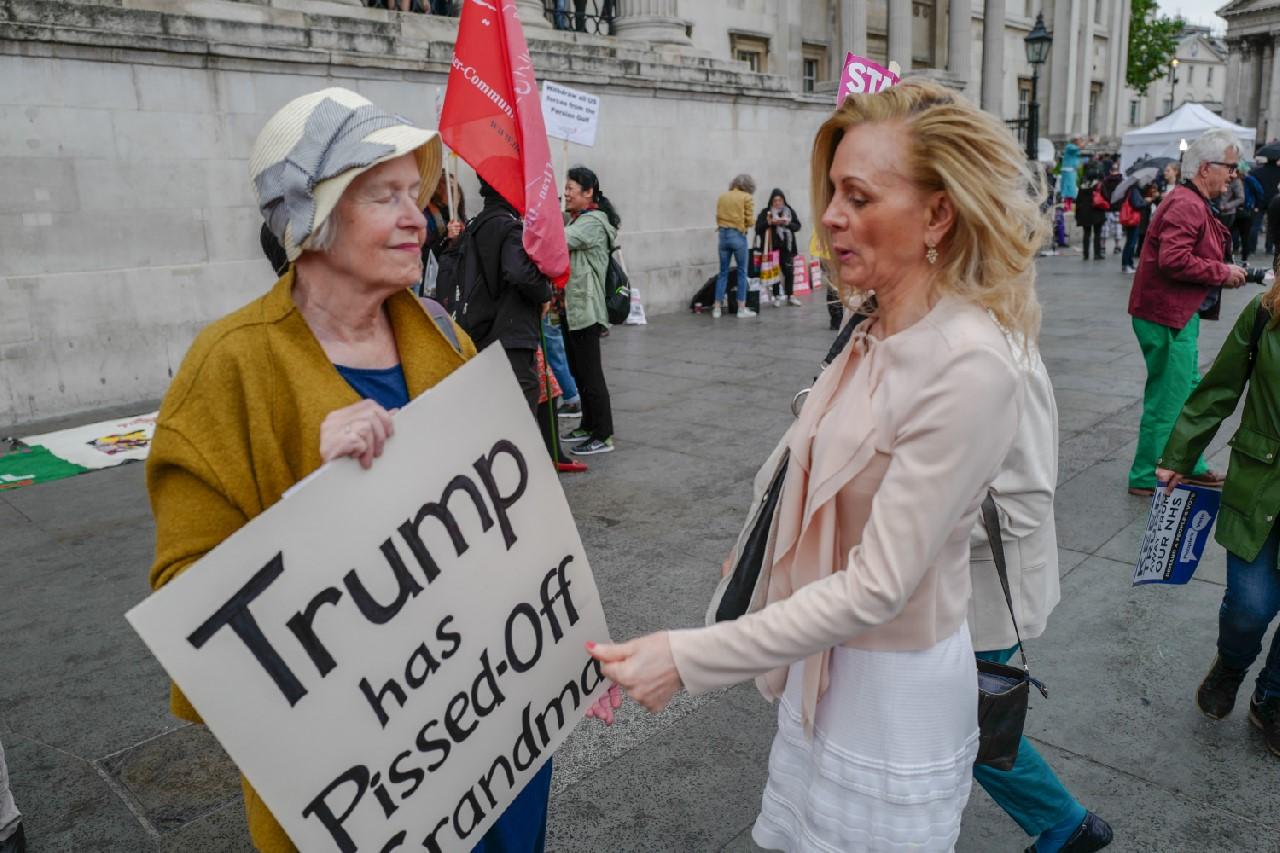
<point x="1030" y="792"/>
<point x="1173" y="372"/>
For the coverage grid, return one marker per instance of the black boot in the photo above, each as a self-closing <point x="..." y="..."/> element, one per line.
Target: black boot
<point x="1217" y="694"/>
<point x="1265" y="715"/>
<point x="16" y="843"/>
<point x="1093" y="834"/>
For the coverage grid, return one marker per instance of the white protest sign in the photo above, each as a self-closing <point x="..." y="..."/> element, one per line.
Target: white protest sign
<point x="390" y="655"/>
<point x="570" y="114"/>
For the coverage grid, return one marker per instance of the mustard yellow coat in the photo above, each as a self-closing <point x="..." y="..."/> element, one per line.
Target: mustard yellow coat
<point x="240" y="424"/>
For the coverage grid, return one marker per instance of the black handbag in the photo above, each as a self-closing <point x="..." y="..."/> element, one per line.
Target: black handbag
<point x="1003" y="690"/>
<point x="746" y="573"/>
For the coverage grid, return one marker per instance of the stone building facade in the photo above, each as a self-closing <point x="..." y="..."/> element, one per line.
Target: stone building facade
<point x="1200" y="78"/>
<point x="127" y="222"/>
<point x="1252" y="97"/>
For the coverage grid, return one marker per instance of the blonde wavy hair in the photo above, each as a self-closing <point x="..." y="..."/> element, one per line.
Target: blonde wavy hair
<point x="1272" y="295"/>
<point x="988" y="256"/>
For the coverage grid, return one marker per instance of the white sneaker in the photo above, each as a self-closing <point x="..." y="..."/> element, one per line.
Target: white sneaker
<point x="779" y="301"/>
<point x="744" y="311"/>
<point x="793" y="300"/>
<point x="715" y="312"/>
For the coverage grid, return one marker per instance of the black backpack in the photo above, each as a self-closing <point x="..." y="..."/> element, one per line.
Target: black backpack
<point x="617" y="290"/>
<point x="463" y="272"/>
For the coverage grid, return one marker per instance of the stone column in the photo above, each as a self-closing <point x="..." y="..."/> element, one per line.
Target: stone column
<point x="960" y="40"/>
<point x="1231" y="92"/>
<point x="1273" y="102"/>
<point x="654" y="21"/>
<point x="533" y="15"/>
<point x="851" y="32"/>
<point x="1063" y="57"/>
<point x="900" y="34"/>
<point x="993" y="57"/>
<point x="1248" y="114"/>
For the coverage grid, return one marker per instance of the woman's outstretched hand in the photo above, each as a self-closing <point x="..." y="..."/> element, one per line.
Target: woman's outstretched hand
<point x="602" y="709"/>
<point x="644" y="667"/>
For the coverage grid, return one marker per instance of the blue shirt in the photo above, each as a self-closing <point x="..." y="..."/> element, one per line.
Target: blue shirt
<point x="384" y="386"/>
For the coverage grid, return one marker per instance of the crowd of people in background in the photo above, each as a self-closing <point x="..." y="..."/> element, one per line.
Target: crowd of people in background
<point x="1086" y="184"/>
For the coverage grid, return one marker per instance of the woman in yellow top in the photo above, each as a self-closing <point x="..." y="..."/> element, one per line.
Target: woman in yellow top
<point x="735" y="216"/>
<point x="862" y="633"/>
<point x="315" y="369"/>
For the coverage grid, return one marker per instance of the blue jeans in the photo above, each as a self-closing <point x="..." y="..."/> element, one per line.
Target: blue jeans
<point x="562" y="23"/>
<point x="553" y="350"/>
<point x="1250" y="603"/>
<point x="733" y="244"/>
<point x="1127" y="258"/>
<point x="1030" y="792"/>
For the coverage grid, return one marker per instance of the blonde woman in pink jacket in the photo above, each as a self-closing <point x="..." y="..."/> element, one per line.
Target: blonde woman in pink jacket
<point x="926" y="202"/>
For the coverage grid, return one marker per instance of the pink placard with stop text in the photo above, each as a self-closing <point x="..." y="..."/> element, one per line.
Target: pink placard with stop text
<point x="863" y="75"/>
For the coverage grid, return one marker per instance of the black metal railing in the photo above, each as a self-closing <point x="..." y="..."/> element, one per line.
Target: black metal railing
<point x="584" y="16"/>
<point x="1019" y="128"/>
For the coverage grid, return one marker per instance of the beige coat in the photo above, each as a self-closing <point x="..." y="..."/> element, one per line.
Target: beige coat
<point x="890" y="459"/>
<point x="1023" y="492"/>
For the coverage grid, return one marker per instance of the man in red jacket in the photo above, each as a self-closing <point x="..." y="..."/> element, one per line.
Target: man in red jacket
<point x="1182" y="260"/>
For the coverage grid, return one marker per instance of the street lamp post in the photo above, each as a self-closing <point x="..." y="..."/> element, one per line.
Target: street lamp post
<point x="1173" y="82"/>
<point x="1037" y="43"/>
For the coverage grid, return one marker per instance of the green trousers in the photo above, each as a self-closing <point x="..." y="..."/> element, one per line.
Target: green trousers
<point x="1173" y="372"/>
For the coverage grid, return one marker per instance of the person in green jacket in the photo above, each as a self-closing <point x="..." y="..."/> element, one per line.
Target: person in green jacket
<point x="1246" y="520"/>
<point x="590" y="232"/>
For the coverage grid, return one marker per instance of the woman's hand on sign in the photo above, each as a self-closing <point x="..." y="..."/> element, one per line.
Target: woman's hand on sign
<point x="602" y="709"/>
<point x="644" y="667"/>
<point x="360" y="430"/>
<point x="1171" y="479"/>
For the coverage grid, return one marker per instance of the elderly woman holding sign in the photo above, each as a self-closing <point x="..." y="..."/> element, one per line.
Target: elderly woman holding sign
<point x="315" y="369"/>
<point x="924" y="200"/>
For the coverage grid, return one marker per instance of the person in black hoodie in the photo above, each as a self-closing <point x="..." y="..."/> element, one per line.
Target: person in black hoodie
<point x="494" y="290"/>
<point x="1090" y="218"/>
<point x="784" y="222"/>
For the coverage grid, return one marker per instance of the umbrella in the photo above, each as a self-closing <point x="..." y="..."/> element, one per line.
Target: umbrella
<point x="1142" y="178"/>
<point x="1151" y="163"/>
<point x="1271" y="152"/>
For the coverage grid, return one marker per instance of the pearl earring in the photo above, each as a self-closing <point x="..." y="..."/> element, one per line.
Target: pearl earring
<point x="931" y="254"/>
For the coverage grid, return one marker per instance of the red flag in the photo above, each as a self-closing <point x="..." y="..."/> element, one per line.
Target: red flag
<point x="492" y="118"/>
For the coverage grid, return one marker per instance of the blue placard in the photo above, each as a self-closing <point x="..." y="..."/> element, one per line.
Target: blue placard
<point x="1177" y="532"/>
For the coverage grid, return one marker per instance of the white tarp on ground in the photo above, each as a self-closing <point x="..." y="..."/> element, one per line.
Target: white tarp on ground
<point x="1162" y="138"/>
<point x="100" y="445"/>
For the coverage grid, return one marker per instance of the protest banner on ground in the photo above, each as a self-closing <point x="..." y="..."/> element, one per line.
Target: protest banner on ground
<point x="861" y="75"/>
<point x="569" y="114"/>
<point x="1177" y="531"/>
<point x="390" y="655"/>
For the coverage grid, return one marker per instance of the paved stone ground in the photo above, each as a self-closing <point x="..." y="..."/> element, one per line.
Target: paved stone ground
<point x="98" y="764"/>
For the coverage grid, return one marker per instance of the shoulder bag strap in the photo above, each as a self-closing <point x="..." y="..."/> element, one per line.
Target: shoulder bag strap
<point x="991" y="521"/>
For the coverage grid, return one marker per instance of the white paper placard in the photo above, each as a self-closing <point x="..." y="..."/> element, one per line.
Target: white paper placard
<point x="389" y="655"/>
<point x="570" y="114"/>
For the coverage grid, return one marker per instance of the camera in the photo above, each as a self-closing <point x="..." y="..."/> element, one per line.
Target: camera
<point x="1254" y="275"/>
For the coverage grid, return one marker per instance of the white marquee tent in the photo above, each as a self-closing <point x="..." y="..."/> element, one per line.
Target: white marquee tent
<point x="1163" y="137"/>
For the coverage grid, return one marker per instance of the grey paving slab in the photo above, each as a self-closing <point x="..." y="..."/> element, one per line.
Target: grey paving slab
<point x="99" y="764"/>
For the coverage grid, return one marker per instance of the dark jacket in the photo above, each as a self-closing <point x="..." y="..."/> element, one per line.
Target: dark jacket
<point x="1181" y="259"/>
<point x="502" y="289"/>
<point x="784" y="243"/>
<point x="1251" y="494"/>
<point x="1269" y="177"/>
<point x="1086" y="213"/>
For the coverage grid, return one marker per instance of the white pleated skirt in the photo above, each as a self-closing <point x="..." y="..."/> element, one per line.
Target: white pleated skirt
<point x="890" y="764"/>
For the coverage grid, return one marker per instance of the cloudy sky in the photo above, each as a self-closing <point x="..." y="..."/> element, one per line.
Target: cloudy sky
<point x="1196" y="11"/>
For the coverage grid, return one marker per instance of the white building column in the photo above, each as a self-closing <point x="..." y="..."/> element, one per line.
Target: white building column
<point x="1231" y="93"/>
<point x="993" y="57"/>
<point x="654" y="21"/>
<point x="1084" y="66"/>
<point x="1273" y="103"/>
<point x="1065" y="56"/>
<point x="533" y="15"/>
<point x="960" y="40"/>
<point x="851" y="29"/>
<point x="900" y="34"/>
<point x="1248" y="114"/>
